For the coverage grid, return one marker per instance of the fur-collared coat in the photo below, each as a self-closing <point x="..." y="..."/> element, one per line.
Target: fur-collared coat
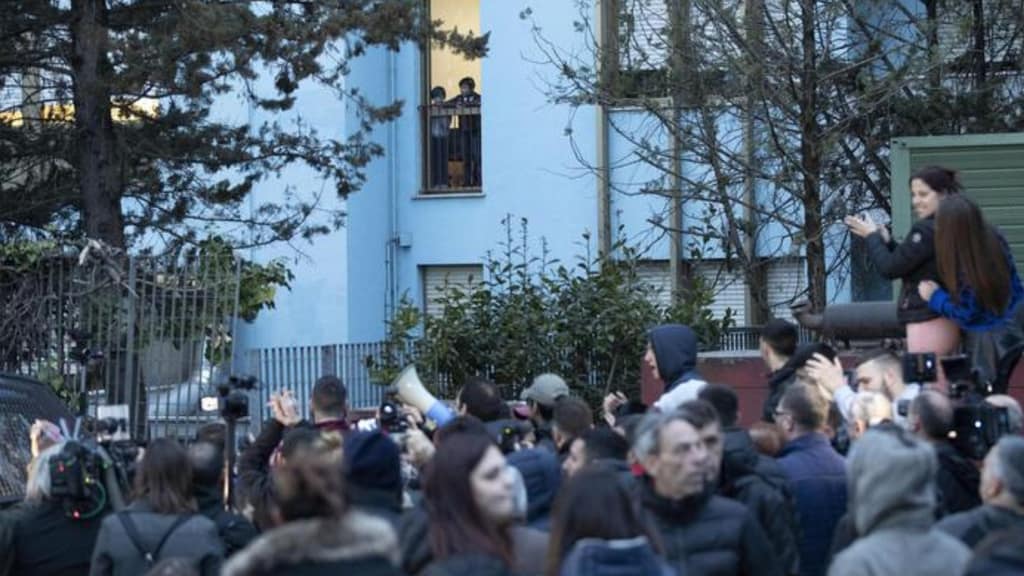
<point x="358" y="543"/>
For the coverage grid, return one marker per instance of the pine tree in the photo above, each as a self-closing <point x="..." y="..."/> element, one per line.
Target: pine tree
<point x="107" y="126"/>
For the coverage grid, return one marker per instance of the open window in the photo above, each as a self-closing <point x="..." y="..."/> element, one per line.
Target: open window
<point x="452" y="121"/>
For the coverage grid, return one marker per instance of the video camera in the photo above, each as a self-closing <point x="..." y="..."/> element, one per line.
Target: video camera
<point x="76" y="480"/>
<point x="390" y="418"/>
<point x="977" y="425"/>
<point x="232" y="399"/>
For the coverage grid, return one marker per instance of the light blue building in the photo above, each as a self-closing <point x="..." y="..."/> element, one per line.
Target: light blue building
<point x="412" y="227"/>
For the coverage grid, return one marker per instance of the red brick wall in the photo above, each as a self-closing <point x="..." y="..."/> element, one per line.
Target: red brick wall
<point x="746" y="373"/>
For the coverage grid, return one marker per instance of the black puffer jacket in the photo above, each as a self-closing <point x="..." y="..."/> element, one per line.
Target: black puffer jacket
<point x="973" y="526"/>
<point x="911" y="261"/>
<point x="469" y="565"/>
<point x="957" y="481"/>
<point x="235" y="530"/>
<point x="542" y="477"/>
<point x="778" y="382"/>
<point x="707" y="534"/>
<point x="39" y="539"/>
<point x="765" y="495"/>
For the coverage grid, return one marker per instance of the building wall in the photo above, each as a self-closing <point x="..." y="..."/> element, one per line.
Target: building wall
<point x="529" y="171"/>
<point x="313" y="311"/>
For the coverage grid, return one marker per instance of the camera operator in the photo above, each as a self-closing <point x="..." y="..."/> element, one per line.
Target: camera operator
<point x="931" y="418"/>
<point x="37" y="537"/>
<point x="207" y="459"/>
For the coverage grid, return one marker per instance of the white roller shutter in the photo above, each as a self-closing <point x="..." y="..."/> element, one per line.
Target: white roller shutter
<point x="786" y="282"/>
<point x="436" y="279"/>
<point x="655" y="274"/>
<point x="728" y="286"/>
<point x="729" y="289"/>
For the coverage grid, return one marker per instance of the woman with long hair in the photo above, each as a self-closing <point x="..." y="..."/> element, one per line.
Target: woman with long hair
<point x="596" y="530"/>
<point x="913" y="261"/>
<point x="468" y="491"/>
<point x="317" y="532"/>
<point x="980" y="287"/>
<point x="161" y="522"/>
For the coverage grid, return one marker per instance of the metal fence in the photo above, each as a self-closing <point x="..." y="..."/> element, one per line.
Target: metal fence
<point x="297" y="368"/>
<point x="747" y="338"/>
<point x="150" y="332"/>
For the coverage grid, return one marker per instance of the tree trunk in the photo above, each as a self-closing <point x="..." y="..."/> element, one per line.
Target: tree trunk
<point x="934" y="55"/>
<point x="978" y="29"/>
<point x="810" y="160"/>
<point x="98" y="164"/>
<point x="758" y="310"/>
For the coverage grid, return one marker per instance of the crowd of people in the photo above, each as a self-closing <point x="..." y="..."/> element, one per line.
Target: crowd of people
<point x="842" y="474"/>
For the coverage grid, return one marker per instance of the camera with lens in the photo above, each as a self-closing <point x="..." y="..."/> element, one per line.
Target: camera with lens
<point x="390" y="418"/>
<point x="508" y="434"/>
<point x="920" y="368"/>
<point x="232" y="400"/>
<point x="977" y="425"/>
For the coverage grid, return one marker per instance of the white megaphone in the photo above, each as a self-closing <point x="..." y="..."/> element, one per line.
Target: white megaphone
<point x="412" y="392"/>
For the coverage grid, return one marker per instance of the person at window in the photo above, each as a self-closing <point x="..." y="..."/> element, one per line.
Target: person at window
<point x="913" y="261"/>
<point x="469" y="131"/>
<point x="980" y="287"/>
<point x="440" y="126"/>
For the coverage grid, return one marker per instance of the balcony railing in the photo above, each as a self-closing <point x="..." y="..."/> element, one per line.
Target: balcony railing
<point x="453" y="149"/>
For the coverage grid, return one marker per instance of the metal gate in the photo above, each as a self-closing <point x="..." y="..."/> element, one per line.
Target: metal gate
<point x="152" y="332"/>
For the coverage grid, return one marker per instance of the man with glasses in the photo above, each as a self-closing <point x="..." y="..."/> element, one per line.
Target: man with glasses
<point x="815" y="471"/>
<point x="701" y="533"/>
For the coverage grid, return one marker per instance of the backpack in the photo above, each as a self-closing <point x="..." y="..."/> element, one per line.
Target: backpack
<point x="150" y="556"/>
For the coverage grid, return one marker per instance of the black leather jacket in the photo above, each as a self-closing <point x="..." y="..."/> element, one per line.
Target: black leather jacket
<point x="910" y="261"/>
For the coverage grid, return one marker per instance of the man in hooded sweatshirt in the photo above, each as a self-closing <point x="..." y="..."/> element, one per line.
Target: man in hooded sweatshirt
<point x="895" y="512"/>
<point x="672" y="357"/>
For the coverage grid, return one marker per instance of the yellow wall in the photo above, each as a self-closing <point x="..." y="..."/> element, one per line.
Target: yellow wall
<point x="446" y="68"/>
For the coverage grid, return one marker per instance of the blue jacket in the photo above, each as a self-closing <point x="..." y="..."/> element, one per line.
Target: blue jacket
<point x="542" y="476"/>
<point x="633" y="557"/>
<point x="817" y="480"/>
<point x="968" y="313"/>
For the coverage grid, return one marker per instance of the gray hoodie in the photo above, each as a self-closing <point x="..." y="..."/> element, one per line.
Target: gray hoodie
<point x="892" y="481"/>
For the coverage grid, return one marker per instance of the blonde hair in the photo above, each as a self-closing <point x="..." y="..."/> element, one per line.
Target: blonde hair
<point x="37" y="488"/>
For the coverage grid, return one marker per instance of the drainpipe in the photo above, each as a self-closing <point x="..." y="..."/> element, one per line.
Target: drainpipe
<point x="605" y="38"/>
<point x="391" y="254"/>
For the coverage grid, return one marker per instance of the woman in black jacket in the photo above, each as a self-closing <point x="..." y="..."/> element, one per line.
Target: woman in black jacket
<point x="913" y="261"/>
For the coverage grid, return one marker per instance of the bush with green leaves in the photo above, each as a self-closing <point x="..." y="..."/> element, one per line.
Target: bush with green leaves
<point x="530" y="314"/>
